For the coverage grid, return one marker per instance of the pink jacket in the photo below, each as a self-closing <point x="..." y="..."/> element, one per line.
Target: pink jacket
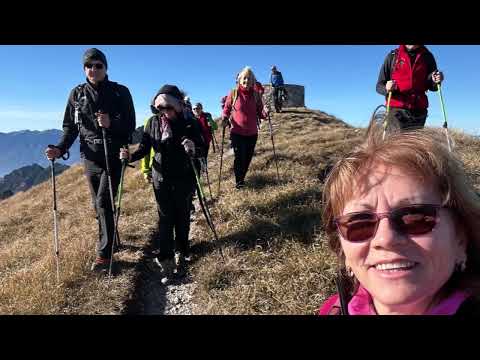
<point x="245" y="113"/>
<point x="361" y="304"/>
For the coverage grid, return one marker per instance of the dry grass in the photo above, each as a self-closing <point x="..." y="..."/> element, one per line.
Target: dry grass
<point x="27" y="263"/>
<point x="271" y="234"/>
<point x="272" y="238"/>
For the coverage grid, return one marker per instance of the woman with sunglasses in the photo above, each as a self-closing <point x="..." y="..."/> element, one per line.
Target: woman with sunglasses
<point x="402" y="218"/>
<point x="176" y="139"/>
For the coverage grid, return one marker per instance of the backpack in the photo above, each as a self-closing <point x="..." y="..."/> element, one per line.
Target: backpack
<point x="80" y="93"/>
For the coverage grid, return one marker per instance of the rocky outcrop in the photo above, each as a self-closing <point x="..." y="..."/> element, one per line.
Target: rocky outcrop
<point x="296" y="96"/>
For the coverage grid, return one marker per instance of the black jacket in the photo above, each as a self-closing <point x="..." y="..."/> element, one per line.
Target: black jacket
<point x="109" y="97"/>
<point x="170" y="160"/>
<point x="386" y="71"/>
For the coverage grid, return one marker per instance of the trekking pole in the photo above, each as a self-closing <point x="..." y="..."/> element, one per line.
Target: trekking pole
<point x="55" y="221"/>
<point x="385" y="123"/>
<point x="342" y="294"/>
<point x="213" y="141"/>
<point x="203" y="205"/>
<point x="119" y="206"/>
<point x="273" y="145"/>
<point x="208" y="179"/>
<point x="221" y="162"/>
<point x="116" y="241"/>
<point x="445" y="125"/>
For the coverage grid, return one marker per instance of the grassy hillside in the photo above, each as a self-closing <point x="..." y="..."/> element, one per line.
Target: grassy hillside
<point x="271" y="234"/>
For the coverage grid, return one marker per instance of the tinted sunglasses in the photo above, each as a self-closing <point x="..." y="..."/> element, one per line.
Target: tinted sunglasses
<point x="97" y="66"/>
<point x="415" y="219"/>
<point x="165" y="108"/>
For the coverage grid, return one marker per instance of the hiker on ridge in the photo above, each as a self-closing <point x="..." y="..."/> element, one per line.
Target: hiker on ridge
<point x="408" y="72"/>
<point x="243" y="109"/>
<point x="98" y="103"/>
<point x="276" y="81"/>
<point x="207" y="125"/>
<point x="175" y="139"/>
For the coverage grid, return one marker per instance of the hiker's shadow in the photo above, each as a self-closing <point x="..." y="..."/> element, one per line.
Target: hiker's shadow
<point x="258" y="182"/>
<point x="149" y="295"/>
<point x="294" y="224"/>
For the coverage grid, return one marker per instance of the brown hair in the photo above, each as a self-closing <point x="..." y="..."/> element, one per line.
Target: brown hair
<point x="420" y="153"/>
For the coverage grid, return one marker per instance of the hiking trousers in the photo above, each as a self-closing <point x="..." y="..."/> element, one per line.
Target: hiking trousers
<point x="408" y="119"/>
<point x="97" y="179"/>
<point x="277" y="96"/>
<point x="174" y="202"/>
<point x="243" y="148"/>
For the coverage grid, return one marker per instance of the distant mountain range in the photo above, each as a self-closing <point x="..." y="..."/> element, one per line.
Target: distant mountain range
<point x="26" y="147"/>
<point x="24" y="178"/>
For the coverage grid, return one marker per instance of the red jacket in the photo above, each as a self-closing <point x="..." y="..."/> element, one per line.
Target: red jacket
<point x="411" y="79"/>
<point x="245" y="112"/>
<point x="205" y="126"/>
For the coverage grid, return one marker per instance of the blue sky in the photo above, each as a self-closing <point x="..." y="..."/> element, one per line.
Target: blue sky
<point x="338" y="79"/>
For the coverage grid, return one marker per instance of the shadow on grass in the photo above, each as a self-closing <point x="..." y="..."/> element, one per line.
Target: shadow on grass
<point x="259" y="182"/>
<point x="294" y="224"/>
<point x="148" y="295"/>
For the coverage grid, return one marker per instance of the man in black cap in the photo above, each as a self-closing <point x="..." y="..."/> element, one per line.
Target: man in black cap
<point x="175" y="138"/>
<point x="98" y="103"/>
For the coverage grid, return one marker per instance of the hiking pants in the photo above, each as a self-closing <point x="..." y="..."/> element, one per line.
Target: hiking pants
<point x="243" y="148"/>
<point x="174" y="201"/>
<point x="277" y="96"/>
<point x="409" y="119"/>
<point x="97" y="178"/>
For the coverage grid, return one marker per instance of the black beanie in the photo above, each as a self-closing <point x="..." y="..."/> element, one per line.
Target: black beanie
<point x="171" y="90"/>
<point x="166" y="89"/>
<point x="94" y="54"/>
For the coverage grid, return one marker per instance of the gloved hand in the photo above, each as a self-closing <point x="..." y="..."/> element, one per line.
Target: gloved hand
<point x="437" y="77"/>
<point x="52" y="153"/>
<point x="189" y="147"/>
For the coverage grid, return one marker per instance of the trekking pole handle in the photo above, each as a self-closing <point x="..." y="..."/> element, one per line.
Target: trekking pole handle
<point x="388" y="102"/>
<point x="125" y="161"/>
<point x="65" y="156"/>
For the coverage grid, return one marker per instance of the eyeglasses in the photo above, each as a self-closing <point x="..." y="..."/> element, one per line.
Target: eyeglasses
<point x="415" y="219"/>
<point x="165" y="108"/>
<point x="98" y="66"/>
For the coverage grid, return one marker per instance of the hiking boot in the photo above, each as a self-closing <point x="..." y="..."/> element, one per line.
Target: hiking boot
<point x="100" y="265"/>
<point x="240" y="185"/>
<point x="167" y="268"/>
<point x="180" y="265"/>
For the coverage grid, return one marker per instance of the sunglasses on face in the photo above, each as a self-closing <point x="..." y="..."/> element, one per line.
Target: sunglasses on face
<point x="97" y="66"/>
<point x="165" y="108"/>
<point x="415" y="219"/>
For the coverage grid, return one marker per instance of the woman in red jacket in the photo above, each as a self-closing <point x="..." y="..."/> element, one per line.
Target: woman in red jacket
<point x="243" y="108"/>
